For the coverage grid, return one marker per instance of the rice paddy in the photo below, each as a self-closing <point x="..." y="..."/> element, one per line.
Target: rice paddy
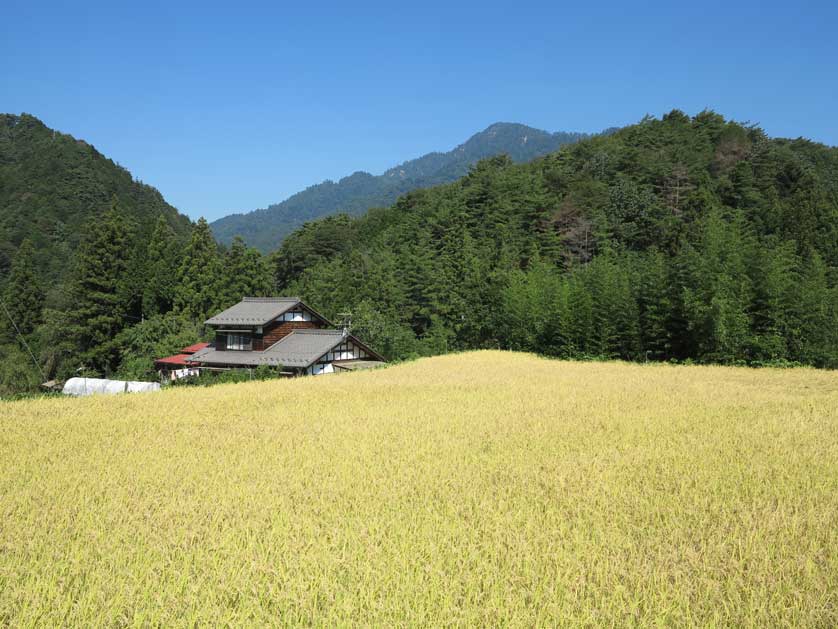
<point x="480" y="489"/>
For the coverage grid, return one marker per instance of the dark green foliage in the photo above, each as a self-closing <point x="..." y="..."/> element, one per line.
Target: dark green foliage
<point x="312" y="243"/>
<point x="53" y="189"/>
<point x="199" y="276"/>
<point x="210" y="378"/>
<point x="17" y="373"/>
<point x="382" y="331"/>
<point x="245" y="273"/>
<point x="23" y="298"/>
<point x="266" y="229"/>
<point x="655" y="305"/>
<point x="813" y="315"/>
<point x="674" y="239"/>
<point x="718" y="290"/>
<point x="161" y="262"/>
<point x="57" y="192"/>
<point x="157" y="337"/>
<point x="57" y="348"/>
<point x="680" y="238"/>
<point x="99" y="295"/>
<point x="110" y="254"/>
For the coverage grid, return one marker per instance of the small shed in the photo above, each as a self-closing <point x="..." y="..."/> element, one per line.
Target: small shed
<point x="178" y="365"/>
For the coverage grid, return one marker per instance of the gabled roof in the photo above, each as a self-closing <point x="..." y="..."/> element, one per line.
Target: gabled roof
<point x="303" y="347"/>
<point x="300" y="348"/>
<point x="254" y="311"/>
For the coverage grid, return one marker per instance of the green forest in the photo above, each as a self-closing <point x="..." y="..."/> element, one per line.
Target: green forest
<point x="676" y="239"/>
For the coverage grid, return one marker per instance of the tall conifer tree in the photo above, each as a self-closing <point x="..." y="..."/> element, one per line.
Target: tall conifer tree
<point x="162" y="269"/>
<point x="23" y="297"/>
<point x="199" y="276"/>
<point x="246" y="274"/>
<point x="98" y="309"/>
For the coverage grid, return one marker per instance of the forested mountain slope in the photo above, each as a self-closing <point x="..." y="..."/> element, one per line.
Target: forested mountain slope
<point x="53" y="186"/>
<point x="679" y="238"/>
<point x="85" y="251"/>
<point x="360" y="191"/>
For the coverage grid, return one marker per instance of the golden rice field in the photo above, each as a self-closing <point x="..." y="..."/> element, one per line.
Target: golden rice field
<point x="482" y="489"/>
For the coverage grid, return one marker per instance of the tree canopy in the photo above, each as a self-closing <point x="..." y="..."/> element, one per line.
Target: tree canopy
<point x="673" y="239"/>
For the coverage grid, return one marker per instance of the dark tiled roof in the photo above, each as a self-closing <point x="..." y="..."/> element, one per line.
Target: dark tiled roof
<point x="254" y="311"/>
<point x="300" y="348"/>
<point x="303" y="347"/>
<point x="211" y="357"/>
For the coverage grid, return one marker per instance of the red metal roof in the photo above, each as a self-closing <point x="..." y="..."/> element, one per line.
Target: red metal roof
<point x="194" y="348"/>
<point x="177" y="359"/>
<point x="181" y="360"/>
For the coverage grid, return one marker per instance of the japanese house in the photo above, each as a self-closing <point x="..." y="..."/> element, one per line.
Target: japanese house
<point x="281" y="332"/>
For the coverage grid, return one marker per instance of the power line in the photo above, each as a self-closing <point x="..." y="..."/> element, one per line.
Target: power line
<point x="25" y="344"/>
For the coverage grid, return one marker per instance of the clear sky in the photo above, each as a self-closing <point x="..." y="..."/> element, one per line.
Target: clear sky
<point x="232" y="106"/>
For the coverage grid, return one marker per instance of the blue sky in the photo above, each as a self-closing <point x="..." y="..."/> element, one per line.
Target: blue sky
<point x="232" y="106"/>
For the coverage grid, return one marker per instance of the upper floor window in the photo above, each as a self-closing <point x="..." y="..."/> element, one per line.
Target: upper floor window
<point x="238" y="341"/>
<point x="295" y="315"/>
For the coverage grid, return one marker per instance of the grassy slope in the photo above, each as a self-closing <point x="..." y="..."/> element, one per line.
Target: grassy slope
<point x="479" y="488"/>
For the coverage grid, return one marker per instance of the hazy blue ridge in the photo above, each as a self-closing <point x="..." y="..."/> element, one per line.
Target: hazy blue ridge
<point x="266" y="228"/>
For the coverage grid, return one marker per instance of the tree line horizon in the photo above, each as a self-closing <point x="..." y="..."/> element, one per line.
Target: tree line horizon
<point x="676" y="239"/>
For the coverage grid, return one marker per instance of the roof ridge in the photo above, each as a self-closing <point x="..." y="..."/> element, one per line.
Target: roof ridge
<point x="314" y="331"/>
<point x="267" y="300"/>
<point x="252" y="311"/>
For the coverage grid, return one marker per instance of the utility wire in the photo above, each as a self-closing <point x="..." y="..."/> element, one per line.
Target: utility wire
<point x="28" y="349"/>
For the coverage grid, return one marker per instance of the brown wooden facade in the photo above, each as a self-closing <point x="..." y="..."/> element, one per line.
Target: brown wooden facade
<point x="279" y="330"/>
<point x="260" y="338"/>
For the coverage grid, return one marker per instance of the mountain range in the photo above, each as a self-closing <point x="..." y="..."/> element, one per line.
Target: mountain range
<point x="266" y="228"/>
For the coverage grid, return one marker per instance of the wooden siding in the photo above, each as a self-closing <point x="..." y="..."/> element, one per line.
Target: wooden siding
<point x="275" y="332"/>
<point x="271" y="334"/>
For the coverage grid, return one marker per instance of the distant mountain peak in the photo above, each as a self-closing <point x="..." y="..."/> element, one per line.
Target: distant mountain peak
<point x="360" y="191"/>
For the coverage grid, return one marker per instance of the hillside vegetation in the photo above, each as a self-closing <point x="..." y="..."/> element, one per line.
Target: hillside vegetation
<point x="53" y="187"/>
<point x="676" y="238"/>
<point x="356" y="193"/>
<point x="87" y="252"/>
<point x="481" y="489"/>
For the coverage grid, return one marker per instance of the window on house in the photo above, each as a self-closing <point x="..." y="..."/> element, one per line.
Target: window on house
<point x="238" y="341"/>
